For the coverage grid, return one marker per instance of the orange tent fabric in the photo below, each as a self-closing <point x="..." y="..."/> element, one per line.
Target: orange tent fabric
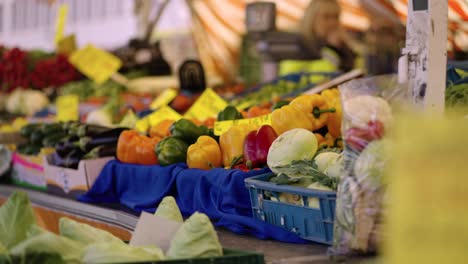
<point x="219" y="24"/>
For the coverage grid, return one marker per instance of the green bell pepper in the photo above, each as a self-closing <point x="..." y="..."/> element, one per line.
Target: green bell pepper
<point x="186" y="130"/>
<point x="171" y="150"/>
<point x="229" y="113"/>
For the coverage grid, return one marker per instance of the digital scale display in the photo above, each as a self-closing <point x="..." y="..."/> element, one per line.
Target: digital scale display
<point x="420" y="5"/>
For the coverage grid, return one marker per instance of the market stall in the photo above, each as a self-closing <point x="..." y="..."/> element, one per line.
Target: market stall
<point x="106" y="161"/>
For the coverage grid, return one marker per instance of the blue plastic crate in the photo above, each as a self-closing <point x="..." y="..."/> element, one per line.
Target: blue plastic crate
<point x="314" y="224"/>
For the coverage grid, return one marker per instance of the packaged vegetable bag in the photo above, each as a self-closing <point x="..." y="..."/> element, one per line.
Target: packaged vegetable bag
<point x="369" y="106"/>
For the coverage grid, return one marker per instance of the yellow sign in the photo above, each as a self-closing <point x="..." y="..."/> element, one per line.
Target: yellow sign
<point x="428" y="187"/>
<point x="96" y="64"/>
<point x="142" y="125"/>
<point x="60" y="23"/>
<point x="68" y="108"/>
<point x="164" y="98"/>
<point x="208" y="105"/>
<point x="67" y="45"/>
<point x="162" y="114"/>
<point x="223" y="126"/>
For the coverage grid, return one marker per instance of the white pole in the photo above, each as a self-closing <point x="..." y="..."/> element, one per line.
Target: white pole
<point x="424" y="59"/>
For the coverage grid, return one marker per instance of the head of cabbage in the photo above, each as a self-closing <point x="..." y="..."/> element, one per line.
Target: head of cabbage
<point x="370" y="165"/>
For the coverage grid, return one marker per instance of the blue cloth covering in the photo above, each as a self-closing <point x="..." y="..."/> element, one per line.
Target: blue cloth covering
<point x="219" y="193"/>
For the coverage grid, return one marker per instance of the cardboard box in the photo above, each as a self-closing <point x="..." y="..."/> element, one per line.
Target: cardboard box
<point x="70" y="182"/>
<point x="28" y="171"/>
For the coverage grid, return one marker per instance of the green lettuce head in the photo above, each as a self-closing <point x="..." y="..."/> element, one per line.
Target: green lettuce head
<point x="168" y="209"/>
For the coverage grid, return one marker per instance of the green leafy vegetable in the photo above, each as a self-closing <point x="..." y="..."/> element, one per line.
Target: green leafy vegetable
<point x="369" y="166"/>
<point x="196" y="238"/>
<point x="457" y="96"/>
<point x="84" y="233"/>
<point x="120" y="253"/>
<point x="168" y="209"/>
<point x="308" y="169"/>
<point x="33" y="258"/>
<point x="16" y="217"/>
<point x="50" y="243"/>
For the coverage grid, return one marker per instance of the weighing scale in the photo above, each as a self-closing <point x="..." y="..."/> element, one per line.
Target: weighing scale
<point x="272" y="45"/>
<point x="424" y="58"/>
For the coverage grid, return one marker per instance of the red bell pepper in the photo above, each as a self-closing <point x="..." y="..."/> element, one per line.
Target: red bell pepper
<point x="358" y="138"/>
<point x="256" y="146"/>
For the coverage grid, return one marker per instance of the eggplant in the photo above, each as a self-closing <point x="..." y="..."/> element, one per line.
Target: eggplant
<point x="53" y="139"/>
<point x="101" y="151"/>
<point x="114" y="132"/>
<point x="88" y="130"/>
<point x="65" y="146"/>
<point x="69" y="161"/>
<point x="87" y="143"/>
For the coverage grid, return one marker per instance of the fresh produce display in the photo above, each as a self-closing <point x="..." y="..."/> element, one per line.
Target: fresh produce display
<point x="368" y="111"/>
<point x="26" y="102"/>
<point x="22" y="239"/>
<point x="266" y="92"/>
<point x="204" y="154"/>
<point x="138" y="149"/>
<point x="72" y="141"/>
<point x="20" y="69"/>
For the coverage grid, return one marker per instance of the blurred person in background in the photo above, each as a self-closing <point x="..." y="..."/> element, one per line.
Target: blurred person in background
<point x="324" y="34"/>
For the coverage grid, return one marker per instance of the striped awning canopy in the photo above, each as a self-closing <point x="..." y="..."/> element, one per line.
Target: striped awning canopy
<point x="219" y="24"/>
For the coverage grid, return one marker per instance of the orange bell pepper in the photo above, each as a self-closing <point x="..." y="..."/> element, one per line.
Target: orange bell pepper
<point x="205" y="154"/>
<point x="257" y="111"/>
<point x="232" y="142"/>
<point x="137" y="149"/>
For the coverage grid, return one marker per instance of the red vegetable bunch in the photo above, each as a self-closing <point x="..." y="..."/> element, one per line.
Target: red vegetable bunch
<point x="359" y="138"/>
<point x="13" y="70"/>
<point x="55" y="71"/>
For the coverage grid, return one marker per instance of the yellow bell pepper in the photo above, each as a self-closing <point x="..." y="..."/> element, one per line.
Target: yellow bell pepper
<point x="232" y="142"/>
<point x="289" y="117"/>
<point x="332" y="96"/>
<point x="204" y="154"/>
<point x="316" y="108"/>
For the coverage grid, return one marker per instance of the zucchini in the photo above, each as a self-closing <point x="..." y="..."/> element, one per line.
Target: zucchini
<point x="36" y="137"/>
<point x="91" y="130"/>
<point x="32" y="149"/>
<point x="87" y="144"/>
<point x="101" y="151"/>
<point x="52" y="139"/>
<point x="28" y="129"/>
<point x="51" y="128"/>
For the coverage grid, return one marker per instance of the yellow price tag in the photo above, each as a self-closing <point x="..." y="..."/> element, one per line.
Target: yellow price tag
<point x="223" y="126"/>
<point x="427" y="220"/>
<point x="162" y="114"/>
<point x="164" y="98"/>
<point x="67" y="45"/>
<point x="209" y="104"/>
<point x="96" y="64"/>
<point x="68" y="108"/>
<point x="60" y="22"/>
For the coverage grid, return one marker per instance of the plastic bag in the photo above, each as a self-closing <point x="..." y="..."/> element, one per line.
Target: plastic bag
<point x="368" y="112"/>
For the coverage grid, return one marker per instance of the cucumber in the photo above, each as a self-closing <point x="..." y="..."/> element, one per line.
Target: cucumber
<point x="51" y="128"/>
<point x="36" y="137"/>
<point x="28" y="129"/>
<point x="52" y="139"/>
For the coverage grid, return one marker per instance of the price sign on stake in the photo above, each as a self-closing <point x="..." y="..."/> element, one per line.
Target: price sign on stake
<point x="60" y="22"/>
<point x="96" y="64"/>
<point x="68" y="108"/>
<point x="164" y="98"/>
<point x="223" y="126"/>
<point x="208" y="105"/>
<point x="163" y="113"/>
